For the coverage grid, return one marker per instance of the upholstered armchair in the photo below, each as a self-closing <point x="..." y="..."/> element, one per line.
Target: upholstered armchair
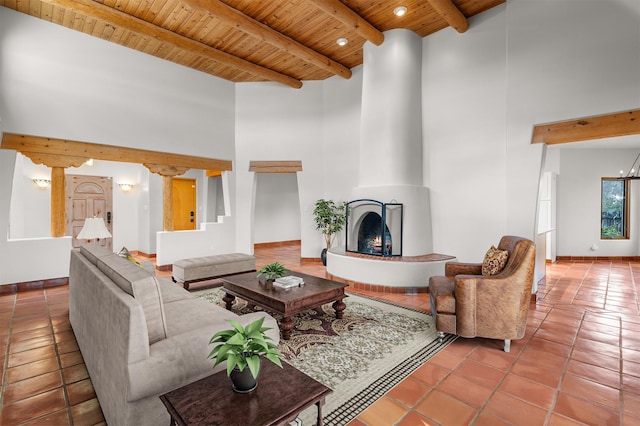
<point x="469" y="304"/>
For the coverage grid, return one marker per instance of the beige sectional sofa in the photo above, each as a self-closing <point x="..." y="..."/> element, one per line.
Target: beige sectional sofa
<point x="140" y="336"/>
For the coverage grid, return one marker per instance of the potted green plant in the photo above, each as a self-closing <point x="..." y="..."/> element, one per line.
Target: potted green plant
<point x="271" y="272"/>
<point x="243" y="347"/>
<point x="330" y="218"/>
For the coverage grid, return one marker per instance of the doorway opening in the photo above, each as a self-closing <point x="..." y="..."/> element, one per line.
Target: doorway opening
<point x="215" y="198"/>
<point x="88" y="196"/>
<point x="276" y="215"/>
<point x="184" y="204"/>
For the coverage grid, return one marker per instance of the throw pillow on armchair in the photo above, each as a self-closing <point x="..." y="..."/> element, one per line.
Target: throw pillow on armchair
<point x="494" y="261"/>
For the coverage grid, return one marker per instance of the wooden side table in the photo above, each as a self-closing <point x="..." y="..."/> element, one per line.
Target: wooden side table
<point x="280" y="396"/>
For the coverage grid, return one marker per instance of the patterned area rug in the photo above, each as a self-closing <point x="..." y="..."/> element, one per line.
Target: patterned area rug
<point x="360" y="357"/>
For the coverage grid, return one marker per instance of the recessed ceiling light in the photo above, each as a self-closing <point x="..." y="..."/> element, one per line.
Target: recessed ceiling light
<point x="400" y="10"/>
<point x="342" y="41"/>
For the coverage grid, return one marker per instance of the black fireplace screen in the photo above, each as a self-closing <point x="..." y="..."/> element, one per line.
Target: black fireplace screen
<point x="374" y="228"/>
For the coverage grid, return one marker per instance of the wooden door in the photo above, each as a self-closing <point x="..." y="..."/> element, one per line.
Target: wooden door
<point x="184" y="204"/>
<point x="88" y="196"/>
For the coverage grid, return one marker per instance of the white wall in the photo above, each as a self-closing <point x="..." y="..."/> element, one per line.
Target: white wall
<point x="565" y="60"/>
<point x="523" y="63"/>
<point x="30" y="208"/>
<point x="340" y="150"/>
<point x="274" y="122"/>
<point x="56" y="82"/>
<point x="209" y="239"/>
<point x="318" y="124"/>
<point x="578" y="199"/>
<point x="464" y="119"/>
<point x="277" y="208"/>
<point x="61" y="83"/>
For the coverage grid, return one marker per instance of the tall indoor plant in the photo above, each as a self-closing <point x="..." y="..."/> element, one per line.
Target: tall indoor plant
<point x="330" y="219"/>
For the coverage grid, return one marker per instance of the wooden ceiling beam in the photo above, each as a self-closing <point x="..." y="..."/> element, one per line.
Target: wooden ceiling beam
<point x="248" y="25"/>
<point x="451" y="14"/>
<point x="342" y="13"/>
<point x="55" y="151"/>
<point x="119" y="19"/>
<point x="588" y="128"/>
<point x="275" y="166"/>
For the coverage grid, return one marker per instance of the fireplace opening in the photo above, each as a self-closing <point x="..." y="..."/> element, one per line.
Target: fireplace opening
<point x="370" y="236"/>
<point x="374" y="228"/>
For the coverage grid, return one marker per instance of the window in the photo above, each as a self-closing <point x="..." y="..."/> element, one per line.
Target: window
<point x="614" y="209"/>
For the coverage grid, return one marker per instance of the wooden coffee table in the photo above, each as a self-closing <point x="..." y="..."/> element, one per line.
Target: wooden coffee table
<point x="279" y="398"/>
<point x="286" y="302"/>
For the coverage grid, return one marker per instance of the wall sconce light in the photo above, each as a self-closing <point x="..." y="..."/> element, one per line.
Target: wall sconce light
<point x="42" y="183"/>
<point x="125" y="186"/>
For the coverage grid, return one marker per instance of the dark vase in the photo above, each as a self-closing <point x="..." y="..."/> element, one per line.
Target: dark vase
<point x="323" y="256"/>
<point x="243" y="381"/>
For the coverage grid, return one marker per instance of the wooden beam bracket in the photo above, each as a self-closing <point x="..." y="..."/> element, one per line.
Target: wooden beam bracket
<point x="166" y="170"/>
<point x="55" y="160"/>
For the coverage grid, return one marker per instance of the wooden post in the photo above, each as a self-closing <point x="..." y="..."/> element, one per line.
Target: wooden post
<point x="167" y="173"/>
<point x="167" y="199"/>
<point x="58" y="218"/>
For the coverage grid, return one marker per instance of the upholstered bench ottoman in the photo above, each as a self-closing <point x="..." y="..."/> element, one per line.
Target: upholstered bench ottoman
<point x="187" y="271"/>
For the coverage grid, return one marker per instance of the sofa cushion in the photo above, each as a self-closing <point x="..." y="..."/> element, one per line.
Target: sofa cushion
<point x="171" y="292"/>
<point x="494" y="261"/>
<point x="93" y="252"/>
<point x="188" y="314"/>
<point x="143" y="287"/>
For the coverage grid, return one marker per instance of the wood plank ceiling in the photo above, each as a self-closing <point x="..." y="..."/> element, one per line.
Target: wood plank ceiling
<point x="286" y="41"/>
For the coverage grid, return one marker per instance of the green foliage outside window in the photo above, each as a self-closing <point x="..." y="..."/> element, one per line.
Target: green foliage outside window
<point x="614" y="218"/>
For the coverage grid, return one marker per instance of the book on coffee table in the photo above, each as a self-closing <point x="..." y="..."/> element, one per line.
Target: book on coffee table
<point x="289" y="282"/>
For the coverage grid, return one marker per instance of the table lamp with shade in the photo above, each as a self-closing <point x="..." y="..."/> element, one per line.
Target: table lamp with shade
<point x="93" y="228"/>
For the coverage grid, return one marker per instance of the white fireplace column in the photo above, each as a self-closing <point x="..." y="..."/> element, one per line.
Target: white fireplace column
<point x="391" y="163"/>
<point x="391" y="134"/>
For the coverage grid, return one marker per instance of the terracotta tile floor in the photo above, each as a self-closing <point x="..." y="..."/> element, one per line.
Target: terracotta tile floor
<point x="579" y="362"/>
